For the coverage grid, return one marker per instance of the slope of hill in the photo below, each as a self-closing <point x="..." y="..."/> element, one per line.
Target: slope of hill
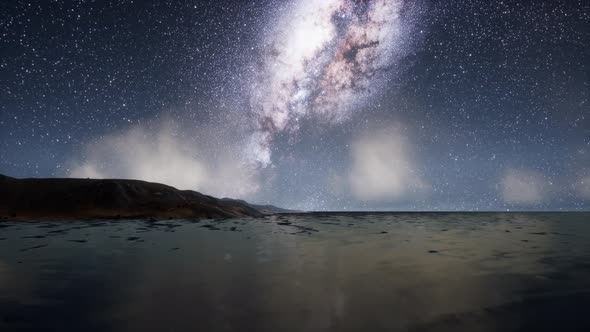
<point x="74" y="199"/>
<point x="266" y="209"/>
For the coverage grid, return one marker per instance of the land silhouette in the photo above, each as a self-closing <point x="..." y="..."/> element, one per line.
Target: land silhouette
<point x="84" y="199"/>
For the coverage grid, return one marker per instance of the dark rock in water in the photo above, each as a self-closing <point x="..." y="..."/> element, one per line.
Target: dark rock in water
<point x="383" y="232"/>
<point x="284" y="223"/>
<point x="75" y="199"/>
<point x="133" y="238"/>
<point x="79" y="241"/>
<point x="432" y="251"/>
<point x="539" y="233"/>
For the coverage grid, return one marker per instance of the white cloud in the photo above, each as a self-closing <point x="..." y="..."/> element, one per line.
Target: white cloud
<point x="382" y="167"/>
<point x="162" y="156"/>
<point x="523" y="187"/>
<point x="583" y="187"/>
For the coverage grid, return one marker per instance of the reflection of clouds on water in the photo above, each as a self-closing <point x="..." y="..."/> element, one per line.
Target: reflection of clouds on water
<point x="325" y="278"/>
<point x="482" y="264"/>
<point x="307" y="272"/>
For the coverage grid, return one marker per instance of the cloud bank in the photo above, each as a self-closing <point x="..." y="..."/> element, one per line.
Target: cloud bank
<point x="523" y="187"/>
<point x="382" y="168"/>
<point x="583" y="187"/>
<point x="161" y="156"/>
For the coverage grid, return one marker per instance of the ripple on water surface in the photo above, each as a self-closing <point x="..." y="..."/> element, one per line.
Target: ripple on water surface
<point x="300" y="272"/>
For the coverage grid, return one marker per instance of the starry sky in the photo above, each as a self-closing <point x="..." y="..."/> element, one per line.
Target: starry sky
<point x="314" y="105"/>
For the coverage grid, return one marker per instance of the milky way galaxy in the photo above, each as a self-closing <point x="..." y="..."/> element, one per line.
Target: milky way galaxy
<point x="322" y="60"/>
<point x="306" y="104"/>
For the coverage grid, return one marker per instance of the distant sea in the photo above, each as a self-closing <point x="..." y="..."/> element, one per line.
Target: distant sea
<point x="300" y="272"/>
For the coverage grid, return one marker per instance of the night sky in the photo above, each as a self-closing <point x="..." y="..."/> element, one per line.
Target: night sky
<point x="315" y="105"/>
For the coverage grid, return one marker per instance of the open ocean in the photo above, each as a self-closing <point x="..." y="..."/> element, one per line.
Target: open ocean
<point x="300" y="272"/>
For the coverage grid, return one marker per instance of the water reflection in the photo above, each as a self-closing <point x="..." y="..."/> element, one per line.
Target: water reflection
<point x="315" y="272"/>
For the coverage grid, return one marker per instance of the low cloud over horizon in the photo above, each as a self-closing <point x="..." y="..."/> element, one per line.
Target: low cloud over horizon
<point x="161" y="156"/>
<point x="383" y="167"/>
<point x="523" y="187"/>
<point x="583" y="187"/>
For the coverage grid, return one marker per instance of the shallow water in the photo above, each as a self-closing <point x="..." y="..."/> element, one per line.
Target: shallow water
<point x="303" y="272"/>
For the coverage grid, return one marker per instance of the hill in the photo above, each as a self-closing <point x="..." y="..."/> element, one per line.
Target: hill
<point x="75" y="199"/>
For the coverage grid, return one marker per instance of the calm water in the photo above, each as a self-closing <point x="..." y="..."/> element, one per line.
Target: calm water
<point x="306" y="272"/>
